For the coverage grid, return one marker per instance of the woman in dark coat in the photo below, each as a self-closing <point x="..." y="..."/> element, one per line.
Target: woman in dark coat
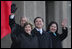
<point x="55" y="36"/>
<point x="27" y="39"/>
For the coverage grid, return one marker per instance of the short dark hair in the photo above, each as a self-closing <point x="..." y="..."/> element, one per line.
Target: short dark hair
<point x="37" y="18"/>
<point x="48" y="27"/>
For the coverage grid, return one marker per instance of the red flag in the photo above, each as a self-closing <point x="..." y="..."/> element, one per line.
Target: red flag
<point x="5" y="12"/>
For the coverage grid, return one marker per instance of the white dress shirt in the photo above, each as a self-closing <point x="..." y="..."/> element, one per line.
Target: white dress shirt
<point x="40" y="30"/>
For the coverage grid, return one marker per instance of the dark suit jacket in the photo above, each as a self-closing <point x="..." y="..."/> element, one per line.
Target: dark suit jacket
<point x="44" y="39"/>
<point x="16" y="29"/>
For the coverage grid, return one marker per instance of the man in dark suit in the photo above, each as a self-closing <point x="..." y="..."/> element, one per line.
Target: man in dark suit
<point x="43" y="37"/>
<point x="16" y="29"/>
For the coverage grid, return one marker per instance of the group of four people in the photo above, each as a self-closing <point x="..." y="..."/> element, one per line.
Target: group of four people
<point x="25" y="36"/>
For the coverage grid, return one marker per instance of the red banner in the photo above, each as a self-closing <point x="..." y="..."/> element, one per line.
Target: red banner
<point x="5" y="12"/>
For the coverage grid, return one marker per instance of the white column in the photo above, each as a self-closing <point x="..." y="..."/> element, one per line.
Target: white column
<point x="67" y="41"/>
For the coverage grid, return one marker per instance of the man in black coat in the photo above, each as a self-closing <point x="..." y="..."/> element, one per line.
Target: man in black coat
<point x="43" y="37"/>
<point x="16" y="29"/>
